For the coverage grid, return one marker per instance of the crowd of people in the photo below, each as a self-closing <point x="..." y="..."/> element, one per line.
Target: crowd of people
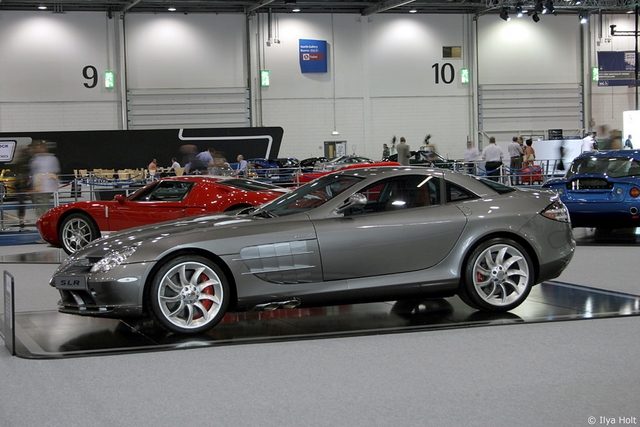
<point x="37" y="172"/>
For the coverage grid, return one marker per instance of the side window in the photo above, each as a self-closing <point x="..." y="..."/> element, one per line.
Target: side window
<point x="171" y="191"/>
<point x="457" y="194"/>
<point x="400" y="193"/>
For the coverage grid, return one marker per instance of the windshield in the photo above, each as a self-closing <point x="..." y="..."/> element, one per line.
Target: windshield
<point x="309" y="196"/>
<point x="615" y="167"/>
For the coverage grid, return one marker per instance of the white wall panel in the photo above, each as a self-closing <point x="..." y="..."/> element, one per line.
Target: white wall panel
<point x="523" y="51"/>
<point x="42" y="56"/>
<point x="171" y="51"/>
<point x="403" y="50"/>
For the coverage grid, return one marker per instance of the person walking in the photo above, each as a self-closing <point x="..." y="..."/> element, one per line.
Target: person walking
<point x="404" y="152"/>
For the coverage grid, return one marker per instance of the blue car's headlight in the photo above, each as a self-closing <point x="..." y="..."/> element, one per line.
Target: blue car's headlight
<point x="112" y="259"/>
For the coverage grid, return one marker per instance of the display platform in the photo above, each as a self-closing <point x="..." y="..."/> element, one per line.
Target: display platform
<point x="50" y="334"/>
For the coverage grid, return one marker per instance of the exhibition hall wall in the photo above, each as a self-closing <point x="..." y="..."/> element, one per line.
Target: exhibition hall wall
<point x="386" y="75"/>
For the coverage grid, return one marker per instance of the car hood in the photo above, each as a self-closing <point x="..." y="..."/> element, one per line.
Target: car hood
<point x="220" y="233"/>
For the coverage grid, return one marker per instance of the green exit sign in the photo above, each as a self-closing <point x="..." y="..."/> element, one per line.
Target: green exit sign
<point x="264" y="78"/>
<point x="109" y="79"/>
<point x="594" y="74"/>
<point x="464" y="76"/>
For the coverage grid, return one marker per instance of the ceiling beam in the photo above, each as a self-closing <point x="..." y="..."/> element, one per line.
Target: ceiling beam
<point x="384" y="6"/>
<point x="258" y="5"/>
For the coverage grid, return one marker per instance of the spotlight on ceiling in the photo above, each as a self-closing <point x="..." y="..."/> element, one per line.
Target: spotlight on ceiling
<point x="505" y="14"/>
<point x="584" y="17"/>
<point x="548" y="7"/>
<point x="535" y="17"/>
<point x="519" y="11"/>
<point x="295" y="9"/>
<point x="42" y="7"/>
<point x="539" y="8"/>
<point x="171" y="9"/>
<point x="413" y="11"/>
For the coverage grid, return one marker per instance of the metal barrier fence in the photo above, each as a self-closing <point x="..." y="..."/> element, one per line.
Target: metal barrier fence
<point x="99" y="186"/>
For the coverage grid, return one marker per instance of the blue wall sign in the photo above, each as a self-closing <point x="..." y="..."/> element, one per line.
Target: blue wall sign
<point x="616" y="68"/>
<point x="313" y="56"/>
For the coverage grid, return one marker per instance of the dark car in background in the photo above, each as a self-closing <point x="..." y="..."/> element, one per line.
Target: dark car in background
<point x="601" y="189"/>
<point x="340" y="162"/>
<point x="426" y="158"/>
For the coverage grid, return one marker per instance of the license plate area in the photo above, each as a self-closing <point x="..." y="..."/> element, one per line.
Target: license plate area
<point x="78" y="283"/>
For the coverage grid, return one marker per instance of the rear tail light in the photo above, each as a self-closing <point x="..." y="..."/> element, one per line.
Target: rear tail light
<point x="556" y="211"/>
<point x="634" y="192"/>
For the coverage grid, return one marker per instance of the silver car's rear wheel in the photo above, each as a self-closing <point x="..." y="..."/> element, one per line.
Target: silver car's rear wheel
<point x="189" y="294"/>
<point x="499" y="276"/>
<point x="77" y="231"/>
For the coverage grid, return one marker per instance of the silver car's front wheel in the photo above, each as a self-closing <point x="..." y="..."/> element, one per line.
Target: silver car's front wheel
<point x="189" y="294"/>
<point x="77" y="231"/>
<point x="499" y="276"/>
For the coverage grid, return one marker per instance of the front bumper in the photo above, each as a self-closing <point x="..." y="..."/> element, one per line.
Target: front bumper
<point x="118" y="293"/>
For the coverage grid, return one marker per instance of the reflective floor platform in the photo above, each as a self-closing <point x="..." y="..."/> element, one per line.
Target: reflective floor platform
<point x="49" y="334"/>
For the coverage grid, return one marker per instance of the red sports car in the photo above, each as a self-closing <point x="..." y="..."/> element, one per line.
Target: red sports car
<point x="74" y="225"/>
<point x="310" y="176"/>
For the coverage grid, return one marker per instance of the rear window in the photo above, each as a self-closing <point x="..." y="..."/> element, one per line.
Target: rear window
<point x="248" y="185"/>
<point x="615" y="167"/>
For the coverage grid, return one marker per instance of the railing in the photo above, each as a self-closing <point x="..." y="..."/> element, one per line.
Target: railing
<point x="104" y="186"/>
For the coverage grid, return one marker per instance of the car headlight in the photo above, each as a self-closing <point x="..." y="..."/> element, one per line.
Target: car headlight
<point x="113" y="259"/>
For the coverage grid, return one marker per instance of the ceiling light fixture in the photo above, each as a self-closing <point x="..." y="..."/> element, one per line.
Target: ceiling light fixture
<point x="171" y="9"/>
<point x="535" y="17"/>
<point x="504" y="14"/>
<point x="584" y="17"/>
<point x="295" y="9"/>
<point x="42" y="7"/>
<point x="413" y="11"/>
<point x="519" y="11"/>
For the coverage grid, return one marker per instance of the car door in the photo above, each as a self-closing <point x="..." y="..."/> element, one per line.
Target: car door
<point x="404" y="227"/>
<point x="165" y="201"/>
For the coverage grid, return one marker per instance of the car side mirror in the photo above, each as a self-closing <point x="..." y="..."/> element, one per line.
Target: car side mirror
<point x="356" y="200"/>
<point x="120" y="198"/>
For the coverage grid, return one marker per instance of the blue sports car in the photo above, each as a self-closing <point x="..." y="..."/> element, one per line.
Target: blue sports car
<point x="601" y="189"/>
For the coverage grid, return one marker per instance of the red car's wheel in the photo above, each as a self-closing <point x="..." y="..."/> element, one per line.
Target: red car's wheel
<point x="77" y="231"/>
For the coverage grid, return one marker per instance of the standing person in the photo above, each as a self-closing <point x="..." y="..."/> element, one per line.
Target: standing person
<point x="492" y="155"/>
<point x="174" y="165"/>
<point x="22" y="183"/>
<point x="587" y="143"/>
<point x="404" y="152"/>
<point x="515" y="164"/>
<point x="471" y="156"/>
<point x="628" y="144"/>
<point x="529" y="154"/>
<point x="385" y="151"/>
<point x="45" y="168"/>
<point x="241" y="169"/>
<point x="204" y="158"/>
<point x="153" y="165"/>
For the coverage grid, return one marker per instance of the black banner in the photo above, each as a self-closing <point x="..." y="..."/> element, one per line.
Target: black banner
<point x="133" y="149"/>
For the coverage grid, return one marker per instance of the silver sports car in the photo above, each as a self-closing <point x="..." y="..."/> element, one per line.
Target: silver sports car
<point x="361" y="235"/>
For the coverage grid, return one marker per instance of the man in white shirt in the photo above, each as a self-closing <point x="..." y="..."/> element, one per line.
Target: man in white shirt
<point x="587" y="143"/>
<point x="515" y="154"/>
<point x="492" y="155"/>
